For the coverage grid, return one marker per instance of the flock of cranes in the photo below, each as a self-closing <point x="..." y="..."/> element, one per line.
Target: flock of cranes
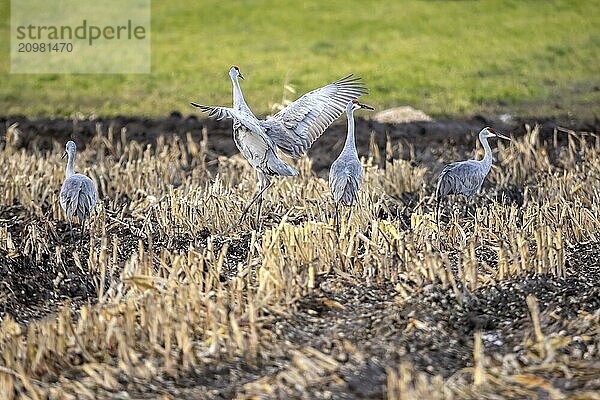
<point x="293" y="131"/>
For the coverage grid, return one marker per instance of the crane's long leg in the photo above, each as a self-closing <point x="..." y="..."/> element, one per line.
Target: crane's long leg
<point x="469" y="205"/>
<point x="336" y="219"/>
<point x="265" y="183"/>
<point x="82" y="231"/>
<point x="349" y="215"/>
<point x="261" y="189"/>
<point x="256" y="196"/>
<point x="465" y="207"/>
<point x="438" y="203"/>
<point x="71" y="230"/>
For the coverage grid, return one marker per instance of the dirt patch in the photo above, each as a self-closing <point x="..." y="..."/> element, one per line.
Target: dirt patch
<point x="429" y="138"/>
<point x="433" y="330"/>
<point x="37" y="282"/>
<point x="399" y="115"/>
<point x="32" y="285"/>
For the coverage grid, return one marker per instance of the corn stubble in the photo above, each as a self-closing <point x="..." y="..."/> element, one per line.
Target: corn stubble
<point x="173" y="300"/>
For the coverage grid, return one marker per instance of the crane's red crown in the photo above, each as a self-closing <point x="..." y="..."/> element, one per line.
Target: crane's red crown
<point x="355" y="101"/>
<point x="490" y="129"/>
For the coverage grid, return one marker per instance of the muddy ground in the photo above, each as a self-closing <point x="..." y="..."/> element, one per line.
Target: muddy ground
<point x="371" y="330"/>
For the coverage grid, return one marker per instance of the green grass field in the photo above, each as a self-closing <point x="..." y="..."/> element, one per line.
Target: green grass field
<point x="445" y="57"/>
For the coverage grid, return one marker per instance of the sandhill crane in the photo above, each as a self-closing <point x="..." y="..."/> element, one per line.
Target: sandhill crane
<point x="466" y="177"/>
<point x="293" y="130"/>
<point x="346" y="173"/>
<point x="78" y="193"/>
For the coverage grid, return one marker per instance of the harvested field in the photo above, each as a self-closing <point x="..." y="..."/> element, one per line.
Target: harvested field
<point x="159" y="300"/>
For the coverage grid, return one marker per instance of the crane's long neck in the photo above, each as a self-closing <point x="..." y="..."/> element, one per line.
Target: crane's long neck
<point x="238" y="97"/>
<point x="487" y="158"/>
<point x="350" y="145"/>
<point x="70" y="164"/>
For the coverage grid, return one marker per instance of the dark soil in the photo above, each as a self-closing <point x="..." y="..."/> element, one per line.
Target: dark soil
<point x="429" y="138"/>
<point x="34" y="285"/>
<point x="433" y="330"/>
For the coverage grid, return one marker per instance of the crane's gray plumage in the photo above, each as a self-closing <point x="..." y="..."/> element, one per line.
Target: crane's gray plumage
<point x="293" y="130"/>
<point x="466" y="177"/>
<point x="346" y="172"/>
<point x="78" y="194"/>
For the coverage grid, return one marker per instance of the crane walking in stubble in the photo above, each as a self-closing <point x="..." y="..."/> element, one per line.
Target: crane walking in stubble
<point x="346" y="173"/>
<point x="466" y="177"/>
<point x="293" y="130"/>
<point x="78" y="194"/>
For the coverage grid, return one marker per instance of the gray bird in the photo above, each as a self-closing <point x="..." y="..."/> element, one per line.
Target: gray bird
<point x="78" y="194"/>
<point x="466" y="177"/>
<point x="346" y="172"/>
<point x="293" y="130"/>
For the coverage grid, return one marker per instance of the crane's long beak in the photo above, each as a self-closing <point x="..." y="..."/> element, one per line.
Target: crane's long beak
<point x="365" y="106"/>
<point x="240" y="75"/>
<point x="64" y="155"/>
<point x="503" y="137"/>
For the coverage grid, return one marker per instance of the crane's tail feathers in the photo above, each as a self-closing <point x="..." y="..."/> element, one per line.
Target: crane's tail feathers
<point x="288" y="171"/>
<point x="282" y="169"/>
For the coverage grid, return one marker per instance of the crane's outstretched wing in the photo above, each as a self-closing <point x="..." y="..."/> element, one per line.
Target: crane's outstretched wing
<point x="295" y="128"/>
<point x="254" y="144"/>
<point x="217" y="112"/>
<point x="249" y="121"/>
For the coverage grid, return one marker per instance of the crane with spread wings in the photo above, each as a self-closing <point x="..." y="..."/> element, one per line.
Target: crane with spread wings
<point x="293" y="130"/>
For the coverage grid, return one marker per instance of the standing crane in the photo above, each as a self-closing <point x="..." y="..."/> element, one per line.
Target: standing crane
<point x="293" y="130"/>
<point x="346" y="172"/>
<point x="78" y="194"/>
<point x="466" y="177"/>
